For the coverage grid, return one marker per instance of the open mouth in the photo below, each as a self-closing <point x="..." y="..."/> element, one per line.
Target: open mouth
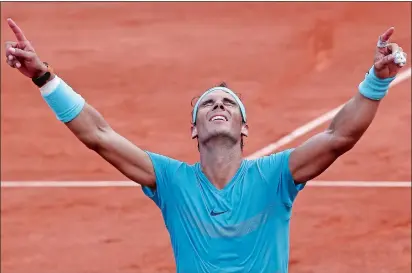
<point x="218" y="118"/>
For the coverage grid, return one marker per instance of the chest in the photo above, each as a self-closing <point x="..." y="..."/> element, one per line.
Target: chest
<point x="237" y="209"/>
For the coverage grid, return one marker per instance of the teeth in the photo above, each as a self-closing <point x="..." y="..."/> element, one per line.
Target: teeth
<point x="219" y="118"/>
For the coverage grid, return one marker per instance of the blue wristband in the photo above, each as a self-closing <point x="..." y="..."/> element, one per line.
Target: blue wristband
<point x="373" y="87"/>
<point x="63" y="100"/>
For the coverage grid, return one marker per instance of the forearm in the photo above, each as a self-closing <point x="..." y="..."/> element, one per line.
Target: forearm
<point x="89" y="126"/>
<point x="352" y="121"/>
<point x="82" y="119"/>
<point x="315" y="155"/>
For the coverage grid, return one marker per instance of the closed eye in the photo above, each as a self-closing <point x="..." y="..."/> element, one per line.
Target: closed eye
<point x="208" y="103"/>
<point x="229" y="102"/>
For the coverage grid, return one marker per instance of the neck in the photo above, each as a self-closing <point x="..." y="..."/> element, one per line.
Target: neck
<point x="220" y="161"/>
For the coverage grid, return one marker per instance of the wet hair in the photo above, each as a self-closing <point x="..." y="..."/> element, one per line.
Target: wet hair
<point x="222" y="84"/>
<point x="194" y="100"/>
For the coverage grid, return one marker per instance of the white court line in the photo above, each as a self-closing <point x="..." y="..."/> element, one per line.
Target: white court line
<point x="67" y="184"/>
<point x="266" y="150"/>
<point x="362" y="184"/>
<point x="93" y="184"/>
<point x="314" y="124"/>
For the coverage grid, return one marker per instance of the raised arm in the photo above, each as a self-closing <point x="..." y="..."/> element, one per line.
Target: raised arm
<point x="315" y="155"/>
<point x="83" y="120"/>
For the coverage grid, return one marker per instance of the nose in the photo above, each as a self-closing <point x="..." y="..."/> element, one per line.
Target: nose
<point x="219" y="104"/>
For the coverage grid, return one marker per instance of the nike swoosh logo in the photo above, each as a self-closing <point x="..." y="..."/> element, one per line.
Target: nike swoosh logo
<point x="213" y="213"/>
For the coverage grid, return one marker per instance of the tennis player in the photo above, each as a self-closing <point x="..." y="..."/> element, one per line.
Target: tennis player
<point x="224" y="213"/>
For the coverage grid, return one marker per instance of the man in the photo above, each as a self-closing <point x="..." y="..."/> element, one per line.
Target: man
<point x="224" y="213"/>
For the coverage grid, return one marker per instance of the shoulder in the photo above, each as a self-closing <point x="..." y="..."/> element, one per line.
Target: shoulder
<point x="273" y="162"/>
<point x="169" y="173"/>
<point x="166" y="164"/>
<point x="168" y="169"/>
<point x="275" y="170"/>
<point x="271" y="168"/>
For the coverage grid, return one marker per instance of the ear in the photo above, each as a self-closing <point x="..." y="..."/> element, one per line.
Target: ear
<point x="193" y="130"/>
<point x="245" y="130"/>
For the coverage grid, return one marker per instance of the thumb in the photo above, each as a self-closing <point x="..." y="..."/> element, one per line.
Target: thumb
<point x="17" y="52"/>
<point x="379" y="65"/>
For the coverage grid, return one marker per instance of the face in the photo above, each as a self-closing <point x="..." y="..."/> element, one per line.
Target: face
<point x="219" y="115"/>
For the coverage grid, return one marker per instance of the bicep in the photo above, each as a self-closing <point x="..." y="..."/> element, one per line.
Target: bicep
<point x="91" y="128"/>
<point x="129" y="159"/>
<point x="314" y="156"/>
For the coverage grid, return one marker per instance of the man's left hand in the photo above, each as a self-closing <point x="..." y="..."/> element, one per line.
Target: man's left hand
<point x="385" y="56"/>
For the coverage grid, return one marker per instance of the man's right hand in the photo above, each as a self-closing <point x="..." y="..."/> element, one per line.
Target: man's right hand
<point x="21" y="54"/>
<point x="89" y="126"/>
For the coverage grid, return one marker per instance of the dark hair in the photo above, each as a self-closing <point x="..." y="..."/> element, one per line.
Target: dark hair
<point x="222" y="84"/>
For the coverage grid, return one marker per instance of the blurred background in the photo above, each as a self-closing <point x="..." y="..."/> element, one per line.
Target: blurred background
<point x="140" y="64"/>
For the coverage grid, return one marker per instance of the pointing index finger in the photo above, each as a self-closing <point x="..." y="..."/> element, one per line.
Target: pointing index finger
<point x="17" y="31"/>
<point x="387" y="34"/>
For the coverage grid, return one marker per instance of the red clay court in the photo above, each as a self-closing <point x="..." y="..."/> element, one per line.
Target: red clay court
<point x="140" y="64"/>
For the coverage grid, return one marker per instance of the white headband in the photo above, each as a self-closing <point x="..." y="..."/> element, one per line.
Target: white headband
<point x="224" y="89"/>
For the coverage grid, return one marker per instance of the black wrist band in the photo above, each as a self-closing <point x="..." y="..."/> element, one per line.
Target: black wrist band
<point x="41" y="80"/>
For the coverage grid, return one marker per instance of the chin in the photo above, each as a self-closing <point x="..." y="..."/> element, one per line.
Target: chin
<point x="221" y="133"/>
